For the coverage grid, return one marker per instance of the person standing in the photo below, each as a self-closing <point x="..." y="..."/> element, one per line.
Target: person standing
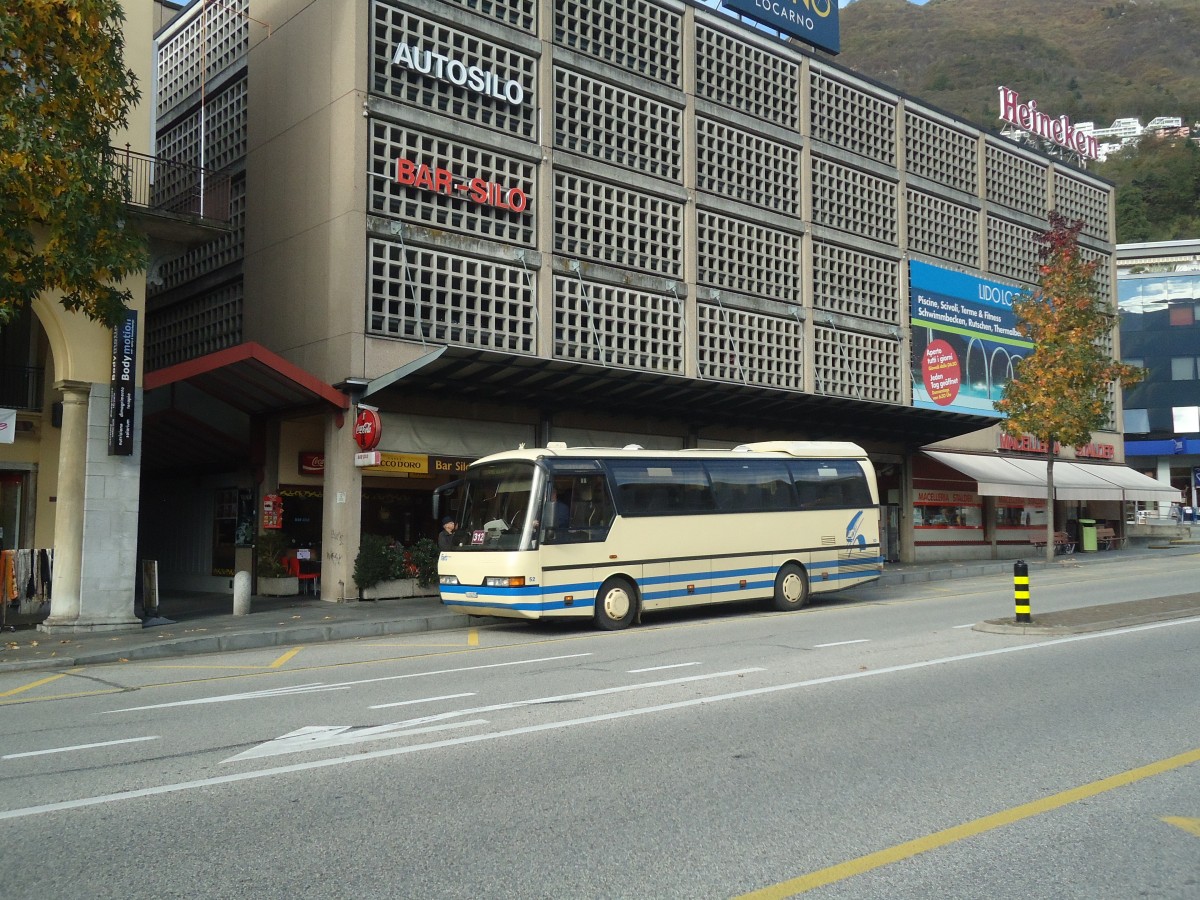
<point x="445" y="539"/>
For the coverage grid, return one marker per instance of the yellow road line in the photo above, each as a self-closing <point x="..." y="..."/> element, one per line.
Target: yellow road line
<point x="1191" y="826"/>
<point x="853" y="867"/>
<point x="283" y="659"/>
<point x="33" y="685"/>
<point x="61" y="696"/>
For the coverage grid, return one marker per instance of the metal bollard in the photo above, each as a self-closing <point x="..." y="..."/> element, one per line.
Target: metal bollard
<point x="1021" y="590"/>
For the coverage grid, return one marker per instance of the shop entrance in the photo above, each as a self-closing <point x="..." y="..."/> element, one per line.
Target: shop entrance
<point x="12" y="499"/>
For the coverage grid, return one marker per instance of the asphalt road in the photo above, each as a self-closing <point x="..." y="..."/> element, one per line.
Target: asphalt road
<point x="872" y="746"/>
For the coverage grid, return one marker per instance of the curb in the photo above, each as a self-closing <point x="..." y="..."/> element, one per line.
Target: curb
<point x="256" y="640"/>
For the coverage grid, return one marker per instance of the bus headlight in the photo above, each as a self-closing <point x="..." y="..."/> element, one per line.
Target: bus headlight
<point x="504" y="581"/>
<point x="447" y="579"/>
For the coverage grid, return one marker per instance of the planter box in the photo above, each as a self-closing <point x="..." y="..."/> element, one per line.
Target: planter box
<point x="285" y="586"/>
<point x="398" y="590"/>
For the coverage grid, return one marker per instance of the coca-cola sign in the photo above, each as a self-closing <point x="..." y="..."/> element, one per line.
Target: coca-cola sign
<point x="368" y="428"/>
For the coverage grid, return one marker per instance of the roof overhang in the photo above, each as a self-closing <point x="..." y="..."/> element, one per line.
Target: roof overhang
<point x="199" y="414"/>
<point x="251" y="379"/>
<point x="551" y="384"/>
<point x="1007" y="476"/>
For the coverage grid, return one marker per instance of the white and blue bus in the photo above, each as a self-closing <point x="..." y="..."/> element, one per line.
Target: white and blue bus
<point x="560" y="532"/>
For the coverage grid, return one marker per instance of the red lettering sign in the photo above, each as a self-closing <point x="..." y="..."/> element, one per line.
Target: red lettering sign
<point x="368" y="429"/>
<point x="477" y="190"/>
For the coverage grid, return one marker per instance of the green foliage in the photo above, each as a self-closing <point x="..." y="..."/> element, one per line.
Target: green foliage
<point x="1087" y="60"/>
<point x="269" y="548"/>
<point x="380" y="560"/>
<point x="1158" y="190"/>
<point x="1060" y="391"/>
<point x="374" y="563"/>
<point x="423" y="557"/>
<point x="63" y="91"/>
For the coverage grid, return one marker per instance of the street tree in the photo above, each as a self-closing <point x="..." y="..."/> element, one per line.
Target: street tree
<point x="1059" y="392"/>
<point x="64" y="90"/>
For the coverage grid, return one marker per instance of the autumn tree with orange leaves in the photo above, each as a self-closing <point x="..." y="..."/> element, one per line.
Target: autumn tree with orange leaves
<point x="64" y="89"/>
<point x="1059" y="393"/>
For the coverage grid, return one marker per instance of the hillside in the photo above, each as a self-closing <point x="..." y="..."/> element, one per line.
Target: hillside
<point x="1094" y="60"/>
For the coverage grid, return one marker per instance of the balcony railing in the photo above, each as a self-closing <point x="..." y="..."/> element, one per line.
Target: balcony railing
<point x="167" y="186"/>
<point x="21" y="387"/>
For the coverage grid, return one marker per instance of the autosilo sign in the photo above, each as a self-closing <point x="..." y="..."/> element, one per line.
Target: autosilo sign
<point x="812" y="21"/>
<point x="458" y="73"/>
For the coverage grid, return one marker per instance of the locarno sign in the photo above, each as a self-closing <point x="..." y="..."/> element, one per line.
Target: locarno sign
<point x="1028" y="117"/>
<point x="812" y="21"/>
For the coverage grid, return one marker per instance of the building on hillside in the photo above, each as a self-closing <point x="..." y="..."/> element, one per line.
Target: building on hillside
<point x="1159" y="296"/>
<point x="579" y="221"/>
<point x="68" y="495"/>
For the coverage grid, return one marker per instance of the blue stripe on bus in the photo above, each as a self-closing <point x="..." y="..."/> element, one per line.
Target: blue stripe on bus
<point x="507" y="596"/>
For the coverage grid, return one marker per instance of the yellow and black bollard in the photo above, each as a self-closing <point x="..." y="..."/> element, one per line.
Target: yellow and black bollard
<point x="1021" y="590"/>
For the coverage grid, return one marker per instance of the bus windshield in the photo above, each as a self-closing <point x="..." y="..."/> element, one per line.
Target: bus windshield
<point x="494" y="512"/>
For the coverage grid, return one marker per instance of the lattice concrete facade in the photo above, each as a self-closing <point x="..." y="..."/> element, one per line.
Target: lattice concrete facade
<point x="647" y="186"/>
<point x="687" y="195"/>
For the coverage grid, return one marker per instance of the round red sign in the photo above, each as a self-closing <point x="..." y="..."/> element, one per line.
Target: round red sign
<point x="941" y="372"/>
<point x="367" y="429"/>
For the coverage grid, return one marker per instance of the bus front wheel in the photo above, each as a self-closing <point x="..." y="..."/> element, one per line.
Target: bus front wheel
<point x="791" y="588"/>
<point x="616" y="604"/>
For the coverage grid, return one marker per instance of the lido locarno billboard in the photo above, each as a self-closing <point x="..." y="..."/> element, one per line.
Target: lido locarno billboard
<point x="812" y="21"/>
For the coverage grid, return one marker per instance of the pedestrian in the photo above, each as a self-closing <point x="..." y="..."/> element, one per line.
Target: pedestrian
<point x="445" y="538"/>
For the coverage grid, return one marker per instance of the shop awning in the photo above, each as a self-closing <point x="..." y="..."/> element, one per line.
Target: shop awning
<point x="488" y="376"/>
<point x="1007" y="476"/>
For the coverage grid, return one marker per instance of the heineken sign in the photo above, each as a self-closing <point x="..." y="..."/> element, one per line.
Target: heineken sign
<point x="1028" y="117"/>
<point x="812" y="21"/>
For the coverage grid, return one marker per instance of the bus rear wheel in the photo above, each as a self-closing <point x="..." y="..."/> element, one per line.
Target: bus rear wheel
<point x="616" y="605"/>
<point x="791" y="588"/>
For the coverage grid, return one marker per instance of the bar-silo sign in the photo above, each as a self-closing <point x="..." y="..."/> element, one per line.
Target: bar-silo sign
<point x="812" y="21"/>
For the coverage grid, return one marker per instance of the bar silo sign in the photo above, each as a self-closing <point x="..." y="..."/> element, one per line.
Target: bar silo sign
<point x="812" y="21"/>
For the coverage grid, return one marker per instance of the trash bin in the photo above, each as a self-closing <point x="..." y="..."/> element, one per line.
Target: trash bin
<point x="1087" y="535"/>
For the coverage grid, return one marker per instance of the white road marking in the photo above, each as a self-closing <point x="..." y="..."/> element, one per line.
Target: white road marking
<point x="296" y="741"/>
<point x="842" y="643"/>
<point x="234" y="778"/>
<point x="660" y="668"/>
<point x="319" y="737"/>
<point x="421" y="700"/>
<point x="79" y="747"/>
<point x="972" y="625"/>
<point x="318" y="686"/>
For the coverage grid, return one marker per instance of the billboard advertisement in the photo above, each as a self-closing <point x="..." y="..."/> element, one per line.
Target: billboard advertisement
<point x="964" y="339"/>
<point x="812" y="21"/>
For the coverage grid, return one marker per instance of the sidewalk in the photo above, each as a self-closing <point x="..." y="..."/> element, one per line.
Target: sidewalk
<point x="204" y="623"/>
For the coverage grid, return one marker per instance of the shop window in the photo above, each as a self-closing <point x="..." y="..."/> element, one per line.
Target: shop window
<point x="1020" y="512"/>
<point x="225" y="520"/>
<point x="949" y="511"/>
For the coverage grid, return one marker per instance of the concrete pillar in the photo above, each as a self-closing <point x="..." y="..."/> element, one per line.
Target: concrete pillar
<point x="95" y="522"/>
<point x="69" y="505"/>
<point x="341" y="511"/>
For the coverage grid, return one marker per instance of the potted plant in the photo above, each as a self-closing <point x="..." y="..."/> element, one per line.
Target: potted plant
<point x="385" y="570"/>
<point x="373" y="565"/>
<point x="273" y="577"/>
